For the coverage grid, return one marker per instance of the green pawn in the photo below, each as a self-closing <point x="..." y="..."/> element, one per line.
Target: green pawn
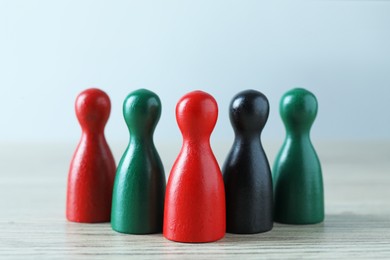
<point x="139" y="187"/>
<point x="298" y="187"/>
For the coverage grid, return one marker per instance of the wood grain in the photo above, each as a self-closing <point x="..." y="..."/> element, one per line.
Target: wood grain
<point x="357" y="222"/>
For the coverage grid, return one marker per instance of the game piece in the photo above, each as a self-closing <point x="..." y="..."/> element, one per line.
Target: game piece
<point x="139" y="187"/>
<point x="246" y="171"/>
<point x="195" y="197"/>
<point x="92" y="170"/>
<point x="298" y="188"/>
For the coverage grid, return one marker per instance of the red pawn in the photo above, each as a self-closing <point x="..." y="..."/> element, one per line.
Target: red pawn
<point x="195" y="196"/>
<point x="92" y="170"/>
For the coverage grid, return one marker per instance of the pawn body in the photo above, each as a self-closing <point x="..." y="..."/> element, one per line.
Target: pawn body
<point x="139" y="188"/>
<point x="195" y="198"/>
<point x="299" y="196"/>
<point x="246" y="172"/>
<point x="92" y="169"/>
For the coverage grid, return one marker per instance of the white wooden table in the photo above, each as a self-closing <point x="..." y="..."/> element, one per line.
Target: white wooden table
<point x="33" y="224"/>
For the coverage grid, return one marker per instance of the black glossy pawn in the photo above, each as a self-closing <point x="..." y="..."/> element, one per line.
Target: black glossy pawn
<point x="246" y="171"/>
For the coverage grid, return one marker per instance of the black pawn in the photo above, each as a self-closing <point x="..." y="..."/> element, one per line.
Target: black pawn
<point x="246" y="172"/>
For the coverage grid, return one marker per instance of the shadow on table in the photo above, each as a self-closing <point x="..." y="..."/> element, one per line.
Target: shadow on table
<point x="340" y="226"/>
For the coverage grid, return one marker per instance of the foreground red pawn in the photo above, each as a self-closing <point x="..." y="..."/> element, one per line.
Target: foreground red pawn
<point x="92" y="170"/>
<point x="195" y="196"/>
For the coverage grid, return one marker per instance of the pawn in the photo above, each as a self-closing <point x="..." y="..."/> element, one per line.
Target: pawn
<point x="195" y="198"/>
<point x="139" y="188"/>
<point x="92" y="169"/>
<point x="299" y="196"/>
<point x="246" y="172"/>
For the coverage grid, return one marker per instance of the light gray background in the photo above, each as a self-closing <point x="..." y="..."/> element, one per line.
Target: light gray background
<point x="52" y="50"/>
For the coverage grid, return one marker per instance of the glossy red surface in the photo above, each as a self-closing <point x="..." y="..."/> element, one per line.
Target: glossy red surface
<point x="195" y="196"/>
<point x="92" y="169"/>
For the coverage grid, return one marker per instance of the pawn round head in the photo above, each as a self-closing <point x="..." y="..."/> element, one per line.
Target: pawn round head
<point x="142" y="111"/>
<point x="196" y="114"/>
<point x="298" y="109"/>
<point x="249" y="112"/>
<point x="93" y="109"/>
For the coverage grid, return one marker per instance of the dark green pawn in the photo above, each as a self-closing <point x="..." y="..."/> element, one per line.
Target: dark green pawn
<point x="298" y="187"/>
<point x="139" y="187"/>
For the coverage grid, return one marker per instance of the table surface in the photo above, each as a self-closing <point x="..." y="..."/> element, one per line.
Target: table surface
<point x="357" y="222"/>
